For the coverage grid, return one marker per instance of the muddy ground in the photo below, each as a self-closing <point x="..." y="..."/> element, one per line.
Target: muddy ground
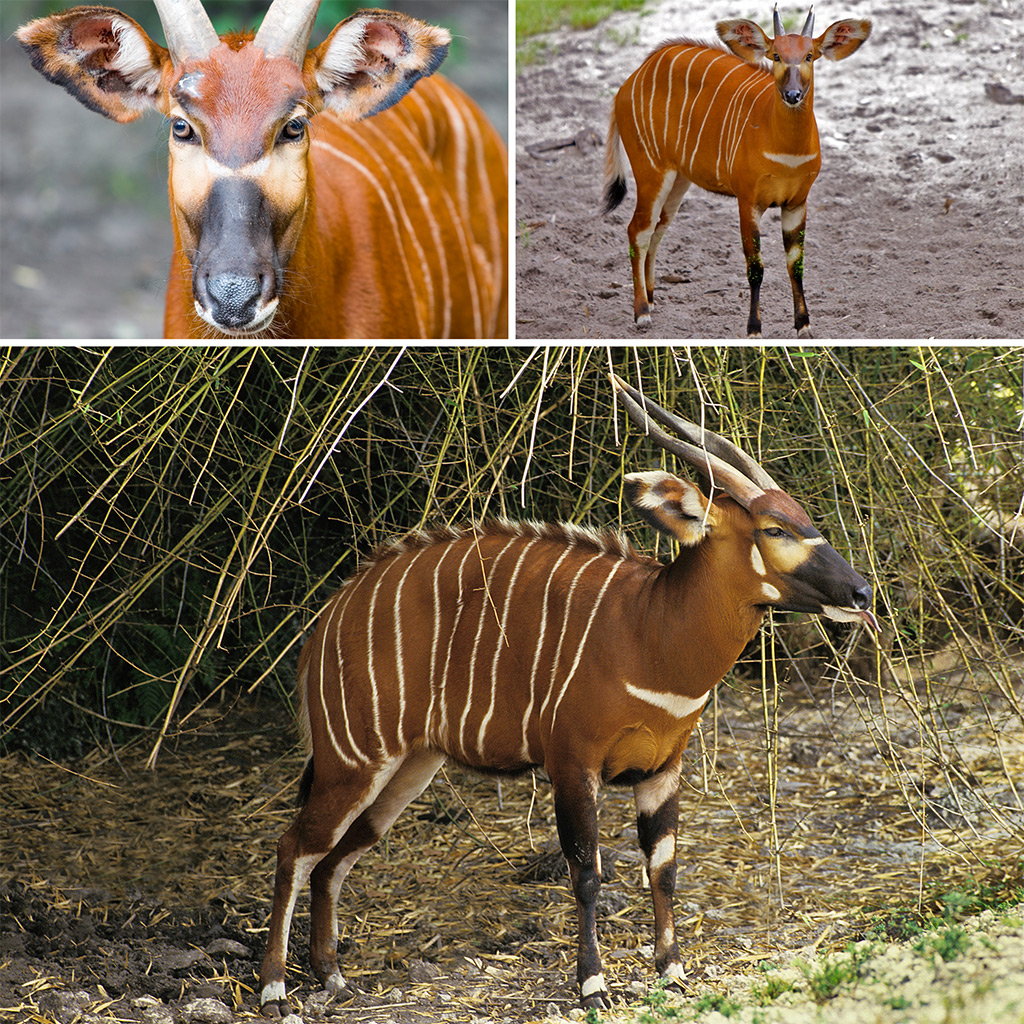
<point x="134" y="895"/>
<point x="915" y="224"/>
<point x="86" y="238"/>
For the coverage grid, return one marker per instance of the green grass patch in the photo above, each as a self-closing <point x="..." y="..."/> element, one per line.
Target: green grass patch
<point x="534" y="16"/>
<point x="1001" y="888"/>
<point x="771" y="990"/>
<point x="949" y="943"/>
<point x="717" y="1001"/>
<point x="824" y="983"/>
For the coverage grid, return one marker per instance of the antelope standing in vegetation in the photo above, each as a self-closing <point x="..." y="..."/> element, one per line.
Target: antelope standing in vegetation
<point x="508" y="646"/>
<point x="694" y="114"/>
<point x="292" y="215"/>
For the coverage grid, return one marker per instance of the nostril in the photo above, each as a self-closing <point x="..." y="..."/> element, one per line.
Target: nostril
<point x="862" y="597"/>
<point x="233" y="298"/>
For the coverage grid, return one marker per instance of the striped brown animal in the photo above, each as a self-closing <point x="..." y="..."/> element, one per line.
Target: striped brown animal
<point x="313" y="193"/>
<point x="512" y="645"/>
<point x="694" y="114"/>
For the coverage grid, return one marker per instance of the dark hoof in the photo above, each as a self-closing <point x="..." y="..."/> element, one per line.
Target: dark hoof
<point x="596" y="1001"/>
<point x="275" y="1009"/>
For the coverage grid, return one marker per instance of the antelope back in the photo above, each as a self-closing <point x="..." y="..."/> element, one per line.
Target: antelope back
<point x="474" y="642"/>
<point x="702" y="109"/>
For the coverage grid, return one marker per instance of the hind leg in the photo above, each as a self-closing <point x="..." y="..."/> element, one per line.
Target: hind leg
<point x="668" y="212"/>
<point x="652" y="194"/>
<point x="333" y="805"/>
<point x="326" y="879"/>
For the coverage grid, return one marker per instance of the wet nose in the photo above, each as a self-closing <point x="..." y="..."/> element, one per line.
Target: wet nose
<point x="862" y="596"/>
<point x="792" y="96"/>
<point x="233" y="299"/>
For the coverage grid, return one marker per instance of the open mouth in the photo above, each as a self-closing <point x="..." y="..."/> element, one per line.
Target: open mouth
<point x="852" y="615"/>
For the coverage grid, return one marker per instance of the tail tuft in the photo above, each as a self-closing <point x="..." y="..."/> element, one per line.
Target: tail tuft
<point x="614" y="167"/>
<point x="614" y="192"/>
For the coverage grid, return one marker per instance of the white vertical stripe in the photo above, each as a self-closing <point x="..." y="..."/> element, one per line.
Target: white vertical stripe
<point x="399" y="654"/>
<point x="527" y="756"/>
<point x="444" y="727"/>
<point x="583" y="641"/>
<point x="486" y="606"/>
<point x="392" y="219"/>
<point x="449" y="546"/>
<point x="561" y="638"/>
<point x="333" y="632"/>
<point x="502" y="642"/>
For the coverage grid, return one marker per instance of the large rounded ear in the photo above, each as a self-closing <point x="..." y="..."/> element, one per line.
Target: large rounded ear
<point x="840" y="39"/>
<point x="671" y="505"/>
<point x="99" y="55"/>
<point x="745" y="39"/>
<point x="371" y="60"/>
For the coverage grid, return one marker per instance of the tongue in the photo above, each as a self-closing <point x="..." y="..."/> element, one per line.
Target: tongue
<point x="870" y="620"/>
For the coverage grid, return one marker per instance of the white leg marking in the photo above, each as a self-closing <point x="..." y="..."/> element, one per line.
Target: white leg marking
<point x="793" y="218"/>
<point x="674" y="971"/>
<point x="663" y="853"/>
<point x="652" y="793"/>
<point x="595" y="983"/>
<point x="335" y="983"/>
<point x="272" y="993"/>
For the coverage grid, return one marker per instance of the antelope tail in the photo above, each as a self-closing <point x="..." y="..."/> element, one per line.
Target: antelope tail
<point x="614" y="168"/>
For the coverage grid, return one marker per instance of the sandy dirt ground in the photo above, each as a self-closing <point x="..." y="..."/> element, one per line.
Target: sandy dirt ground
<point x="129" y="895"/>
<point x="86" y="237"/>
<point x="915" y="224"/>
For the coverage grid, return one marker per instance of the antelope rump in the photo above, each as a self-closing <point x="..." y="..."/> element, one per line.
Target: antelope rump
<point x="507" y="646"/>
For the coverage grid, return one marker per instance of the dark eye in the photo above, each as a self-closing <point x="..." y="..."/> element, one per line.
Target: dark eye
<point x="182" y="130"/>
<point x="293" y="130"/>
<point x="775" y="531"/>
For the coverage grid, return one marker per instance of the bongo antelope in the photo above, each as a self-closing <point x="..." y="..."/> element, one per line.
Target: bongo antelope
<point x="695" y="114"/>
<point x="312" y="193"/>
<point x="506" y="646"/>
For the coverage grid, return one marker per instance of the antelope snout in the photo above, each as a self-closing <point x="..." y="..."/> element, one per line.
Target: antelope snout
<point x="235" y="302"/>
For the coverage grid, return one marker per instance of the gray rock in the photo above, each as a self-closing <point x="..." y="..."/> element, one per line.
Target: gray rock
<point x="206" y="1011"/>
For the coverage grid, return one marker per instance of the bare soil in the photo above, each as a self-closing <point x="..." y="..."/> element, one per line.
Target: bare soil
<point x="915" y="224"/>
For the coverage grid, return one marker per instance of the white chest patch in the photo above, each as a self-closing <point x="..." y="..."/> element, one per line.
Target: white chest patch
<point x="673" y="703"/>
<point x="790" y="159"/>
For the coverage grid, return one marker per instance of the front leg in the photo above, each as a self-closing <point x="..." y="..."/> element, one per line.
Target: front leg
<point x="657" y="807"/>
<point x="750" y="235"/>
<point x="794" y="220"/>
<point x="576" y="818"/>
